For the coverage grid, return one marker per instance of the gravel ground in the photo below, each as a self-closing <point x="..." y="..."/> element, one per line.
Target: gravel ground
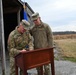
<point x="65" y="68"/>
<point x="61" y="68"/>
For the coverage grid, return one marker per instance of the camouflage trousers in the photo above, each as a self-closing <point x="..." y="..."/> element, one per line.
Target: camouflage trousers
<point x="46" y="70"/>
<point x="12" y="67"/>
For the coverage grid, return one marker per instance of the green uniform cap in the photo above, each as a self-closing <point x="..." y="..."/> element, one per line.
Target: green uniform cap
<point x="25" y="23"/>
<point x="35" y="16"/>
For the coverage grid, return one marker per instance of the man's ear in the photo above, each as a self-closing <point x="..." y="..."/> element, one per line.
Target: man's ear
<point x="39" y="18"/>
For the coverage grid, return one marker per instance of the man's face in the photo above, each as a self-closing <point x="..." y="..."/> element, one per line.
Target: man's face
<point x="37" y="21"/>
<point x="22" y="30"/>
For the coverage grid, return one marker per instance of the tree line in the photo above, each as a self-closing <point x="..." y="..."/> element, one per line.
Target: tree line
<point x="64" y="32"/>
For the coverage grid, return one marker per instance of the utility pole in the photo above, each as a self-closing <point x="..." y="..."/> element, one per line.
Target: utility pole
<point x="2" y="43"/>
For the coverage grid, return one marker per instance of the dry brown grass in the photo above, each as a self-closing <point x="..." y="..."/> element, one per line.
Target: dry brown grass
<point x="67" y="36"/>
<point x="68" y="47"/>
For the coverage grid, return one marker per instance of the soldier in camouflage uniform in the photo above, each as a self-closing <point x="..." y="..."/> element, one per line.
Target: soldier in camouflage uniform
<point x="19" y="40"/>
<point x="43" y="37"/>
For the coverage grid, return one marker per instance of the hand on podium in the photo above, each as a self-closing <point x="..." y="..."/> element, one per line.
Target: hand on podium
<point x="22" y="51"/>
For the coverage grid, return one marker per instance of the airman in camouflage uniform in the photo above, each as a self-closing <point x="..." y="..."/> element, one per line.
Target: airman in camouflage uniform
<point x="19" y="40"/>
<point x="43" y="37"/>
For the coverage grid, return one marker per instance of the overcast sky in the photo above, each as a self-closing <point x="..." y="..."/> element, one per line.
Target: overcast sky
<point x="59" y="14"/>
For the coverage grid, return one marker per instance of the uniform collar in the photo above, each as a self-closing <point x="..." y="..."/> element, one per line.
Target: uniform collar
<point x="16" y="29"/>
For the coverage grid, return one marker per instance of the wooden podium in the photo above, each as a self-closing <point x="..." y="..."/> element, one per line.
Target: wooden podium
<point x="33" y="59"/>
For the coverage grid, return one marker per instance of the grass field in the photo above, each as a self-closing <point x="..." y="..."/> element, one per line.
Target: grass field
<point x="68" y="48"/>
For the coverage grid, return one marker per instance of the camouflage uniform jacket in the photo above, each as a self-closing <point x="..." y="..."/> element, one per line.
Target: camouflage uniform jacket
<point x="42" y="35"/>
<point x="17" y="42"/>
